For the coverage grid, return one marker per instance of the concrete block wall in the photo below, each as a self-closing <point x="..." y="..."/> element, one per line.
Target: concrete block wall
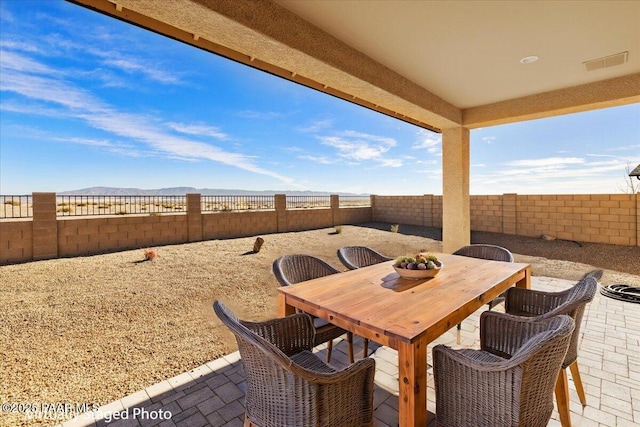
<point x="414" y="210"/>
<point x="399" y="209"/>
<point x="88" y="236"/>
<point x="308" y="219"/>
<point x="353" y="216"/>
<point x="46" y="236"/>
<point x="598" y="218"/>
<point x="486" y="213"/>
<point x="436" y="212"/>
<point x="225" y="225"/>
<point x="16" y="241"/>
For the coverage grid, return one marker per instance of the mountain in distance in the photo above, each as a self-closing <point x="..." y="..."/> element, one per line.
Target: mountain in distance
<point x="180" y="191"/>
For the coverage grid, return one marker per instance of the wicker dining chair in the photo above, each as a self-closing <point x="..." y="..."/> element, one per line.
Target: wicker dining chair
<point x="291" y="269"/>
<point x="508" y="382"/>
<point x="489" y="252"/>
<point x="287" y="385"/>
<point x="541" y="305"/>
<point x="354" y="257"/>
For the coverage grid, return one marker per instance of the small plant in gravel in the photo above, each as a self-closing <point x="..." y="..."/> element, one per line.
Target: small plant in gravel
<point x="338" y="229"/>
<point x="150" y="254"/>
<point x="395" y="228"/>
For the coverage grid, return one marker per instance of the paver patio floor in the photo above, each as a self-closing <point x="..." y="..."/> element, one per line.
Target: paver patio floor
<point x="213" y="394"/>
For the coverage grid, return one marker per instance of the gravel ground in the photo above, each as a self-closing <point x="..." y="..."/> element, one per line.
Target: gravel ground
<point x="95" y="329"/>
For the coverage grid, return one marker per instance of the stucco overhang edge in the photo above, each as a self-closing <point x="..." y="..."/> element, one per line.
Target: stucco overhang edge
<point x="266" y="36"/>
<point x="603" y="94"/>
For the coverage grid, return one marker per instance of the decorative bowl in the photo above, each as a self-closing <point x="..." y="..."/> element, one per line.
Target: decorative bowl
<point x="418" y="274"/>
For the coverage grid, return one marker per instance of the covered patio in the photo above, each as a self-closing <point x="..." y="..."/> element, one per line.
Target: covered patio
<point x="213" y="394"/>
<point x="445" y="66"/>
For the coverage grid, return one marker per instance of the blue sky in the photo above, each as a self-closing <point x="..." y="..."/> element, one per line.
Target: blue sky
<point x="86" y="100"/>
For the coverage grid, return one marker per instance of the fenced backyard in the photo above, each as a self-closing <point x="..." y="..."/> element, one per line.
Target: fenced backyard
<point x="21" y="206"/>
<point x="46" y="225"/>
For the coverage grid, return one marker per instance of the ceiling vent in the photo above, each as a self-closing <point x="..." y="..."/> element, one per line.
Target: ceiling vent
<point x="607" y="61"/>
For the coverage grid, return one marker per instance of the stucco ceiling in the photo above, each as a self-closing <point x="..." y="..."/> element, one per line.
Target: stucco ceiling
<point x="468" y="52"/>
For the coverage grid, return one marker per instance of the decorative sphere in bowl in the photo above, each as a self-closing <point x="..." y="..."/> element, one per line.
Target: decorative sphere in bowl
<point x="420" y="266"/>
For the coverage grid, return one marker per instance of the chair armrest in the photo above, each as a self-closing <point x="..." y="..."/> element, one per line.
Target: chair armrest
<point x="362" y="369"/>
<point x="528" y="302"/>
<point x="291" y="334"/>
<point x="504" y="334"/>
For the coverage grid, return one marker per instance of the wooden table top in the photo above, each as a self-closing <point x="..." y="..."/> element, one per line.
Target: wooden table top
<point x="376" y="303"/>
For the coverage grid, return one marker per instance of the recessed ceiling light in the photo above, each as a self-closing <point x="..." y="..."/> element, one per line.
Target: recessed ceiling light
<point x="529" y="59"/>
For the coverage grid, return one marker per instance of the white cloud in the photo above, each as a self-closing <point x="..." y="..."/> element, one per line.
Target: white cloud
<point x="262" y="115"/>
<point x="106" y="145"/>
<point x="17" y="62"/>
<point x="392" y="163"/>
<point x="547" y="162"/>
<point x="356" y="147"/>
<point x="78" y="103"/>
<point x="133" y="66"/>
<point x="632" y="147"/>
<point x="360" y="147"/>
<point x="317" y="126"/>
<point x="429" y="141"/>
<point x="489" y="139"/>
<point x="319" y="159"/>
<point x="22" y="46"/>
<point x="199" y="129"/>
<point x="545" y="176"/>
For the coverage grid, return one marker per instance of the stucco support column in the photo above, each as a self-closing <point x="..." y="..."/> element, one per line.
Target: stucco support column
<point x="456" y="213"/>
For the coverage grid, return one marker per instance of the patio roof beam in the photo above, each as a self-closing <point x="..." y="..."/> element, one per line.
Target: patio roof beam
<point x="602" y="94"/>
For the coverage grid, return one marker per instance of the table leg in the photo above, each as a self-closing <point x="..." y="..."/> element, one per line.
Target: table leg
<point x="525" y="282"/>
<point x="283" y="308"/>
<point x="412" y="366"/>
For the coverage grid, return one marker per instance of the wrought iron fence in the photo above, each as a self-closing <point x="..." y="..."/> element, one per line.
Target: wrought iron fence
<point x="16" y="207"/>
<point x="119" y="205"/>
<point x="355" y="201"/>
<point x="22" y="206"/>
<point x="237" y="203"/>
<point x="306" y="202"/>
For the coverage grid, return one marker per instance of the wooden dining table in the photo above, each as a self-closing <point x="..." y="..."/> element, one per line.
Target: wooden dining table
<point x="406" y="315"/>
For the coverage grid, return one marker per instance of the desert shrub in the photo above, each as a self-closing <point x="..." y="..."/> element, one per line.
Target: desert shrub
<point x="150" y="254"/>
